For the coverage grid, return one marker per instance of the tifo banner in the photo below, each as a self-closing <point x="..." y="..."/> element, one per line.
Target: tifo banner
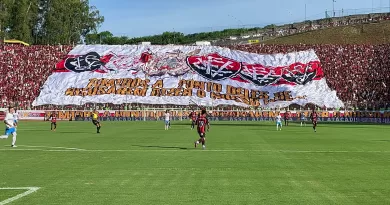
<point x="184" y="75"/>
<point x="214" y="115"/>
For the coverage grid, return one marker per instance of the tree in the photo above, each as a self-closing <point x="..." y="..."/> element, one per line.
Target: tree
<point x="98" y="38"/>
<point x="180" y="38"/>
<point x="68" y="21"/>
<point x="92" y="38"/>
<point x="5" y="10"/>
<point x="22" y="19"/>
<point x="271" y="26"/>
<point x="48" y="21"/>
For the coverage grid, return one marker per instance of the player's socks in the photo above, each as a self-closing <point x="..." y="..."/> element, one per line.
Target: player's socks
<point x="98" y="129"/>
<point x="14" y="138"/>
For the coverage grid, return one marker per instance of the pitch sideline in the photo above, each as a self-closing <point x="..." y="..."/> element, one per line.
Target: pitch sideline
<point x="69" y="149"/>
<point x="65" y="148"/>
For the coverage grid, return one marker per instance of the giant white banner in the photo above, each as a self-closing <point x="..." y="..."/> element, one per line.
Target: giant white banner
<point x="183" y="75"/>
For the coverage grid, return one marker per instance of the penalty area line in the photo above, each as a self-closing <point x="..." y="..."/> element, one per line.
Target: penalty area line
<point x="30" y="190"/>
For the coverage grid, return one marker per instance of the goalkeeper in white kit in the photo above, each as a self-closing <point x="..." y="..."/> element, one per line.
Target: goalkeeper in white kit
<point x="10" y="126"/>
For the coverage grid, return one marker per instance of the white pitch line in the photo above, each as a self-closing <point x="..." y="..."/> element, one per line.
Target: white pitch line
<point x="17" y="149"/>
<point x="67" y="148"/>
<point x="30" y="190"/>
<point x="177" y="150"/>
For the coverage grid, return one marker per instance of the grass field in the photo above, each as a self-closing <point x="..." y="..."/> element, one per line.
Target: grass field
<point x="244" y="163"/>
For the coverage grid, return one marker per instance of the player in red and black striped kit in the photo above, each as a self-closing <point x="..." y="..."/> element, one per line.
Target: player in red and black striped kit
<point x="193" y="119"/>
<point x="53" y="118"/>
<point x="286" y="118"/>
<point x="202" y="122"/>
<point x="313" y="117"/>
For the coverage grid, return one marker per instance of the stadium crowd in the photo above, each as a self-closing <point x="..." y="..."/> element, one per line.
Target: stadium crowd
<point x="291" y="29"/>
<point x="24" y="69"/>
<point x="327" y="23"/>
<point x="359" y="73"/>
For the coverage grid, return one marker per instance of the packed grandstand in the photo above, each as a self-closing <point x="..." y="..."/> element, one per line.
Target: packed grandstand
<point x="359" y="73"/>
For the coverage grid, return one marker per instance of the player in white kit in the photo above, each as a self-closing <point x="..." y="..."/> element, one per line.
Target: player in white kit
<point x="279" y="122"/>
<point x="16" y="117"/>
<point x="303" y="119"/>
<point x="10" y="126"/>
<point x="167" y="120"/>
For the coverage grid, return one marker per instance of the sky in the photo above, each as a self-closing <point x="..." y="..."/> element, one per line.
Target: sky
<point x="135" y="18"/>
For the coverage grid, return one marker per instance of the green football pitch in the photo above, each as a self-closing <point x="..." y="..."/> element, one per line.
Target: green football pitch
<point x="244" y="163"/>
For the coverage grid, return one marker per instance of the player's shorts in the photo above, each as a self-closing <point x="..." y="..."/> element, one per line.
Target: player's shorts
<point x="54" y="123"/>
<point x="201" y="134"/>
<point x="95" y="122"/>
<point x="279" y="123"/>
<point x="314" y="122"/>
<point x="9" y="131"/>
<point x="166" y="122"/>
<point x="303" y="119"/>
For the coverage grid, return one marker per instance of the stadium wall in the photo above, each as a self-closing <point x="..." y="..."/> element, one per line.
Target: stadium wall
<point x="214" y="115"/>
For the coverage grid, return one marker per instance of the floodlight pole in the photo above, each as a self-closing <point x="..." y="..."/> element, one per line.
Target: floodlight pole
<point x="333" y="7"/>
<point x="305" y="13"/>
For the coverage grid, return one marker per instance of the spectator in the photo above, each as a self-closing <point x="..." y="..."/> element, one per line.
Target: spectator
<point x="359" y="73"/>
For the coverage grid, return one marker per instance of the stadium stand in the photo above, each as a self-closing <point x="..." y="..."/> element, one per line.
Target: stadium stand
<point x="359" y="73"/>
<point x="24" y="69"/>
<point x="306" y="26"/>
